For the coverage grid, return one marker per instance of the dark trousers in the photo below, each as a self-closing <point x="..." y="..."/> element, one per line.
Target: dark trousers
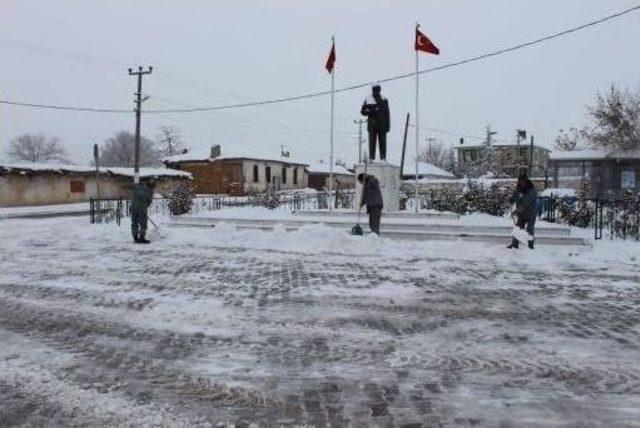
<point x="381" y="137"/>
<point x="139" y="223"/>
<point x="374" y="219"/>
<point x="522" y="223"/>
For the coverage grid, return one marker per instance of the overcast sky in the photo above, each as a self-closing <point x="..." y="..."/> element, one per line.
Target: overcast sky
<point x="76" y="52"/>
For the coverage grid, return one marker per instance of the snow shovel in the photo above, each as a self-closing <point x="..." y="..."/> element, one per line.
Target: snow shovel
<point x="357" y="229"/>
<point x="521" y="235"/>
<point x="157" y="228"/>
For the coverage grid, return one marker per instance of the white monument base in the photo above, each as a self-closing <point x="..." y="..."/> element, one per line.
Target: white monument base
<point x="388" y="176"/>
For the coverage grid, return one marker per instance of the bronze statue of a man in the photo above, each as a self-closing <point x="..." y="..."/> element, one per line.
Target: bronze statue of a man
<point x="376" y="108"/>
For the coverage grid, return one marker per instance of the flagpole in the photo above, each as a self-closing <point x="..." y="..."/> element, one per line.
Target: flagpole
<point x="333" y="41"/>
<point x="417" y="125"/>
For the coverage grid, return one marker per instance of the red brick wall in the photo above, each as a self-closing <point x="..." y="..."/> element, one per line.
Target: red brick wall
<point x="215" y="177"/>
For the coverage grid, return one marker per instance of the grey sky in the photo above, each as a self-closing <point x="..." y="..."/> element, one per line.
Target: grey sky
<point x="76" y="52"/>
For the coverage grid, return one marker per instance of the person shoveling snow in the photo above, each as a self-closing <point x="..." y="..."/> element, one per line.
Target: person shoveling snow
<point x="141" y="198"/>
<point x="525" y="199"/>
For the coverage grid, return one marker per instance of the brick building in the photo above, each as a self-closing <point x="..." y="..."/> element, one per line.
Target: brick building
<point x="238" y="173"/>
<point x="319" y="176"/>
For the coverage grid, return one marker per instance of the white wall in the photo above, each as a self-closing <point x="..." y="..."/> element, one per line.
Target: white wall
<point x="276" y="174"/>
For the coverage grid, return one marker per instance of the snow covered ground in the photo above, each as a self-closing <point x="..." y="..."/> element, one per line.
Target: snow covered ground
<point x="312" y="328"/>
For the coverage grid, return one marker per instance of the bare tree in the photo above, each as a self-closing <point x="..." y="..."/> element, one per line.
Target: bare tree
<point x="170" y="141"/>
<point x="438" y="154"/>
<point x="616" y="119"/>
<point x="37" y="148"/>
<point x="119" y="151"/>
<point x="571" y="139"/>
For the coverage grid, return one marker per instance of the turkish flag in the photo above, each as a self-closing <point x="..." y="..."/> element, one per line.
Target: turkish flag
<point x="424" y="44"/>
<point x="332" y="58"/>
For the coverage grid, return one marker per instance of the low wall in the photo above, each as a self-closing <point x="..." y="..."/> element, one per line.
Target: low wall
<point x="50" y="189"/>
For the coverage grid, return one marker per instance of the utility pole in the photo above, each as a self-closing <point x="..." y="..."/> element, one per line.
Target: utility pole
<point x="531" y="158"/>
<point x="521" y="135"/>
<point x="430" y="140"/>
<point x="96" y="159"/>
<point x="360" y="122"/>
<point x="138" y="101"/>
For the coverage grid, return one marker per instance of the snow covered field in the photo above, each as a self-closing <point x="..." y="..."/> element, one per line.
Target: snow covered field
<point x="309" y="328"/>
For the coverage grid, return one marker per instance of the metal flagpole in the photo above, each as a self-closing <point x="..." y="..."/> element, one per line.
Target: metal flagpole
<point x="333" y="41"/>
<point x="417" y="126"/>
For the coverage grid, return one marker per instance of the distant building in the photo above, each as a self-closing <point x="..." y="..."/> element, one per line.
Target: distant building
<point x="610" y="172"/>
<point x="508" y="157"/>
<point x="46" y="184"/>
<point x="239" y="173"/>
<point x="319" y="176"/>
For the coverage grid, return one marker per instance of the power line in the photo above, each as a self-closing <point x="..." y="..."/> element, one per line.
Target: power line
<point x="347" y="88"/>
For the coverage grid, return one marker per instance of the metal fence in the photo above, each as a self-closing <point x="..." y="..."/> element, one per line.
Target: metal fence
<point x="114" y="210"/>
<point x="610" y="218"/>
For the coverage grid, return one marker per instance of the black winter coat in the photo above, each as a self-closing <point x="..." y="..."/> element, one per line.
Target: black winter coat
<point x="526" y="199"/>
<point x="371" y="195"/>
<point x="141" y="198"/>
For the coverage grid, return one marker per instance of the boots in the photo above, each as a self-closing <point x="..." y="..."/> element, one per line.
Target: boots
<point x="514" y="244"/>
<point x="135" y="237"/>
<point x="530" y="245"/>
<point x="142" y="240"/>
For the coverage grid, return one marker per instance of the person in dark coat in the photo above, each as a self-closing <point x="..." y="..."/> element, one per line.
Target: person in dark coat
<point x="372" y="198"/>
<point x="376" y="108"/>
<point x="525" y="198"/>
<point x="141" y="198"/>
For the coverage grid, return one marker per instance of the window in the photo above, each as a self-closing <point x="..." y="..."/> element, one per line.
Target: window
<point x="295" y="175"/>
<point x="76" y="186"/>
<point x="267" y="174"/>
<point x="256" y="178"/>
<point x="284" y="175"/>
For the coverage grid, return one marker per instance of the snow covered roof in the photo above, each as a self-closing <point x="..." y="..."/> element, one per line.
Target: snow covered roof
<point x="594" y="154"/>
<point x="228" y="151"/>
<point x="500" y="144"/>
<point x="322" y="166"/>
<point x="426" y="171"/>
<point x="30" y="168"/>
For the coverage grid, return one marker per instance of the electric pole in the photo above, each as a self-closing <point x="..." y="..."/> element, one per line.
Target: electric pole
<point x="138" y="101"/>
<point x="360" y="122"/>
<point x="430" y="141"/>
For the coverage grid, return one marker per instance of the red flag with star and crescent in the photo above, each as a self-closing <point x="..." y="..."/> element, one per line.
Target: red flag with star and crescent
<point x="331" y="60"/>
<point x="424" y="44"/>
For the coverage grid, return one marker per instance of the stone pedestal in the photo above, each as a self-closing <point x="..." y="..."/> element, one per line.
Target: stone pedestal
<point x="388" y="176"/>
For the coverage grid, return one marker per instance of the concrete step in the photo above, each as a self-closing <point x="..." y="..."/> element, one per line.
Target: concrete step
<point x="388" y="225"/>
<point x="399" y="214"/>
<point x="45" y="214"/>
<point x="403" y="234"/>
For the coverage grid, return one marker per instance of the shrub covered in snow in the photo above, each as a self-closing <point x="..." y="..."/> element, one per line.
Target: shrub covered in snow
<point x="181" y="199"/>
<point x="474" y="197"/>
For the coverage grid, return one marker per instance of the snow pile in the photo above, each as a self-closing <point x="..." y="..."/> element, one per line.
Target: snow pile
<point x="559" y="193"/>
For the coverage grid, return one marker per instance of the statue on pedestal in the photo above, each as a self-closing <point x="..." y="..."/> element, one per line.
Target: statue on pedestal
<point x="376" y="108"/>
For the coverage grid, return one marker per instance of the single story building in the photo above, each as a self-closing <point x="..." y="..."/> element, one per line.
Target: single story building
<point x="239" y="172"/>
<point x="509" y="158"/>
<point x="26" y="184"/>
<point x="610" y="172"/>
<point x="426" y="171"/>
<point x="319" y="176"/>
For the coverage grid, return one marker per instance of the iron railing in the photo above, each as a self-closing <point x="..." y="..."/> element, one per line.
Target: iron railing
<point x="113" y="210"/>
<point x="619" y="218"/>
